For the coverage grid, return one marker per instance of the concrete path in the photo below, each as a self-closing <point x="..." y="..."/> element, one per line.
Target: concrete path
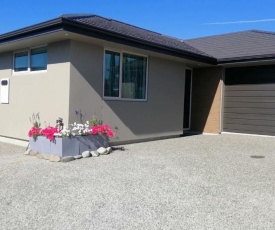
<point x="196" y="182"/>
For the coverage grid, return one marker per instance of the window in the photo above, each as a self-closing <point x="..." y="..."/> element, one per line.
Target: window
<point x="21" y="61"/>
<point x="125" y="76"/>
<point x="112" y="70"/>
<point x="31" y="60"/>
<point x="39" y="59"/>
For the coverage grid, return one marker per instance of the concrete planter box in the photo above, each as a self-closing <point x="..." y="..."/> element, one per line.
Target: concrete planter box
<point x="69" y="146"/>
<point x="40" y="145"/>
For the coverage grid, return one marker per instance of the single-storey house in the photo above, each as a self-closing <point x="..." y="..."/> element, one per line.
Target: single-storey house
<point x="144" y="84"/>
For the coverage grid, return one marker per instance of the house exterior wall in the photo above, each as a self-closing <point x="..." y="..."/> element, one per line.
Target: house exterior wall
<point x="206" y="100"/>
<point x="46" y="93"/>
<point x="160" y="116"/>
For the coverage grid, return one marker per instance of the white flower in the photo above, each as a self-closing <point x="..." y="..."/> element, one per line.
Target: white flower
<point x="76" y="129"/>
<point x="57" y="134"/>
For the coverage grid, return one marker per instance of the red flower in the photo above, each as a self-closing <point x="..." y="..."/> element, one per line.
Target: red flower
<point x="49" y="132"/>
<point x="102" y="129"/>
<point x="34" y="132"/>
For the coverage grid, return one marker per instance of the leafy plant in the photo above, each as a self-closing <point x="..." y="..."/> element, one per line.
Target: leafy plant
<point x="92" y="127"/>
<point x="95" y="121"/>
<point x="79" y="115"/>
<point x="34" y="132"/>
<point x="35" y="120"/>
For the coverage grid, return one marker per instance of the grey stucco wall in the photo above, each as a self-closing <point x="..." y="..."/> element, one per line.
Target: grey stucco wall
<point x="160" y="116"/>
<point x="46" y="92"/>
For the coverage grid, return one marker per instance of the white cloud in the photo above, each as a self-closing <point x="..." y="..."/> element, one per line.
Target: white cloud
<point x="240" y="22"/>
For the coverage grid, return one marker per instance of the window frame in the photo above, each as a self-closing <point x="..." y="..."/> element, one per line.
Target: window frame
<point x="17" y="52"/>
<point x="28" y="71"/>
<point x="119" y="98"/>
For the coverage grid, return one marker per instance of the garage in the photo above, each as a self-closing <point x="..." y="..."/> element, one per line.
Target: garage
<point x="249" y="100"/>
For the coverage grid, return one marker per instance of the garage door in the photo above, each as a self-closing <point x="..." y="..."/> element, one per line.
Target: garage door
<point x="249" y="100"/>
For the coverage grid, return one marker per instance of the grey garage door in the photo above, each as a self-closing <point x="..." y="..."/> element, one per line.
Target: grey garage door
<point x="249" y="100"/>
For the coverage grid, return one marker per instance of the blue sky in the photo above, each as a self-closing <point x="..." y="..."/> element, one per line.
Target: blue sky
<point x="178" y="18"/>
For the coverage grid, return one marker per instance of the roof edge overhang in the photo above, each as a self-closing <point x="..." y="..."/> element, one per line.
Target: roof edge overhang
<point x="66" y="24"/>
<point x="80" y="28"/>
<point x="258" y="58"/>
<point x="41" y="28"/>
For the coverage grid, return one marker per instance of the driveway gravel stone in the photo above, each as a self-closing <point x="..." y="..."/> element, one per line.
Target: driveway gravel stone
<point x="195" y="182"/>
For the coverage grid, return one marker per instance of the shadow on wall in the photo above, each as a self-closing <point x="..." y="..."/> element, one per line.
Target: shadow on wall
<point x="205" y="113"/>
<point x="58" y="52"/>
<point x="6" y="61"/>
<point x="162" y="113"/>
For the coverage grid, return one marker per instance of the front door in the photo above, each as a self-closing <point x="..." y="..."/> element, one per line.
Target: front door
<point x="187" y="99"/>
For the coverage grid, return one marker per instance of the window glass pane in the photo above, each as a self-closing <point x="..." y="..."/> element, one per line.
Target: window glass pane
<point x="39" y="59"/>
<point x="134" y="76"/>
<point x="21" y="61"/>
<point x="111" y="78"/>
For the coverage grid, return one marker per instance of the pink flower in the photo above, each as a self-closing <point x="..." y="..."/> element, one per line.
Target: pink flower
<point x="49" y="132"/>
<point x="34" y="132"/>
<point x="102" y="129"/>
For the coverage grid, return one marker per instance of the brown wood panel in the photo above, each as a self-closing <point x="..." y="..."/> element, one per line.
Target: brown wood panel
<point x="251" y="87"/>
<point x="243" y="104"/>
<point x="254" y="122"/>
<point x="270" y="117"/>
<point x="251" y="93"/>
<point x="251" y="132"/>
<point x="249" y="100"/>
<point x="255" y="128"/>
<point x="250" y="111"/>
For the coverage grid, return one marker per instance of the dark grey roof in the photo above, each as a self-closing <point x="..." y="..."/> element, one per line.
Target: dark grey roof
<point x="131" y="31"/>
<point x="112" y="30"/>
<point x="233" y="47"/>
<point x="239" y="46"/>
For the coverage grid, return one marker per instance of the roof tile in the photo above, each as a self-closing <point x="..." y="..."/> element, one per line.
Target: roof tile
<point x="134" y="32"/>
<point x="241" y="45"/>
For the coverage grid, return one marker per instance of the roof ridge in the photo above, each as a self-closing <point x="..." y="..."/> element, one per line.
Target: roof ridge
<point x="174" y="39"/>
<point x="120" y="32"/>
<point x="124" y="23"/>
<point x="167" y="36"/>
<point x="263" y="32"/>
<point x="115" y="20"/>
<point x="151" y="31"/>
<point x="217" y="35"/>
<point x="75" y="16"/>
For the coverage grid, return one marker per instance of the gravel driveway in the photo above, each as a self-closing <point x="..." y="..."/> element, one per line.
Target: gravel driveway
<point x="196" y="182"/>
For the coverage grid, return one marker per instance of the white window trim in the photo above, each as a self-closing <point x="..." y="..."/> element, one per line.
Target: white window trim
<point x="121" y="52"/>
<point x="29" y="62"/>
